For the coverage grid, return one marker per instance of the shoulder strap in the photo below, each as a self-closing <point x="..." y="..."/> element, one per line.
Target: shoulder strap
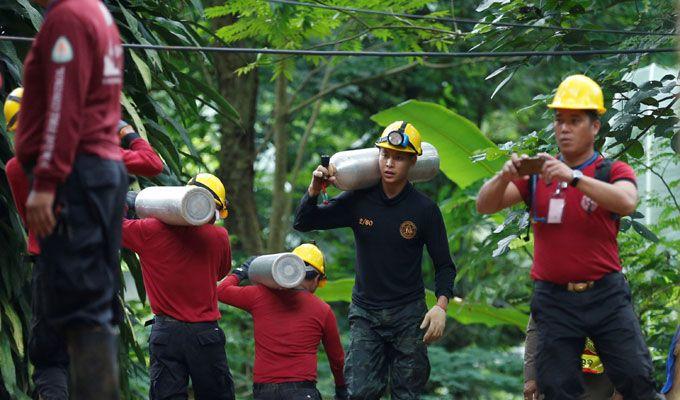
<point x="528" y="202"/>
<point x="603" y="173"/>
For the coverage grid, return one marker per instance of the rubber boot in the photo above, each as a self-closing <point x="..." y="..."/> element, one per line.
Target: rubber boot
<point x="93" y="351"/>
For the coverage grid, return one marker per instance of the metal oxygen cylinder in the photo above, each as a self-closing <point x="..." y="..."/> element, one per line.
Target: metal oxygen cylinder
<point x="277" y="271"/>
<point x="176" y="205"/>
<point x="358" y="169"/>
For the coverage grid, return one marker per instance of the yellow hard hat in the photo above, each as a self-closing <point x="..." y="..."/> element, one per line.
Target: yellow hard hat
<point x="12" y="106"/>
<point x="401" y="136"/>
<point x="313" y="257"/>
<point x="578" y="92"/>
<point x="214" y="185"/>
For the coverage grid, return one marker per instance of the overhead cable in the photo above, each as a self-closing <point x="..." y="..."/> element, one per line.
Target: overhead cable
<point x="343" y="53"/>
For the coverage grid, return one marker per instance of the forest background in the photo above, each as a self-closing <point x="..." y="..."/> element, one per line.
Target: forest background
<point x="260" y="123"/>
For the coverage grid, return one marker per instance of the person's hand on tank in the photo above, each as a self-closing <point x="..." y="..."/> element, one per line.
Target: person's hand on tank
<point x="434" y="322"/>
<point x="39" y="214"/>
<point x="124" y="128"/>
<point x="320" y="175"/>
<point x="242" y="271"/>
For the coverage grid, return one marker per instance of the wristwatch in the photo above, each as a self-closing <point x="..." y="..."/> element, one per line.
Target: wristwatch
<point x="576" y="176"/>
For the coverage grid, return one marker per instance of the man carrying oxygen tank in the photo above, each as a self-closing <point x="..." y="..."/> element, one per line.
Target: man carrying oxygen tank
<point x="289" y="325"/>
<point x="46" y="348"/>
<point x="391" y="221"/>
<point x="181" y="266"/>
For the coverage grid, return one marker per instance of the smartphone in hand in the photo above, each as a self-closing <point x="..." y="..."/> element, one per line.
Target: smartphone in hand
<point x="530" y="166"/>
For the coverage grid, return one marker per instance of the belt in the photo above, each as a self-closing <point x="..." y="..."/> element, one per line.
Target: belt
<point x="161" y="318"/>
<point x="578" y="287"/>
<point x="285" y="385"/>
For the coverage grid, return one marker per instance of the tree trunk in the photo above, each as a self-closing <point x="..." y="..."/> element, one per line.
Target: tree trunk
<point x="237" y="147"/>
<point x="277" y="219"/>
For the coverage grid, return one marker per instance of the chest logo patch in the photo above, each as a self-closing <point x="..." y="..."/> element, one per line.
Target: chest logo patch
<point x="62" y="52"/>
<point x="365" y="222"/>
<point x="588" y="204"/>
<point x="408" y="230"/>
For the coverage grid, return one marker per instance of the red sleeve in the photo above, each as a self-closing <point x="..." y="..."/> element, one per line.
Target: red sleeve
<point x="66" y="49"/>
<point x="333" y="346"/>
<point x="622" y="172"/>
<point x="136" y="233"/>
<point x="141" y="159"/>
<point x="523" y="187"/>
<point x="19" y="185"/>
<point x="243" y="297"/>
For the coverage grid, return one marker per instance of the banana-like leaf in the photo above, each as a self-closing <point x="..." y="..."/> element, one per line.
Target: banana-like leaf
<point x="459" y="309"/>
<point x="136" y="271"/>
<point x="456" y="139"/>
<point x="7" y="369"/>
<point x="15" y="326"/>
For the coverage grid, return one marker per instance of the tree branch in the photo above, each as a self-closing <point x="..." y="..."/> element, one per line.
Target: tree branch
<point x="338" y="86"/>
<point x="670" y="191"/>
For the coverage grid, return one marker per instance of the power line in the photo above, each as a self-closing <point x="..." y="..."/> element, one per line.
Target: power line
<point x="342" y="53"/>
<point x="471" y="21"/>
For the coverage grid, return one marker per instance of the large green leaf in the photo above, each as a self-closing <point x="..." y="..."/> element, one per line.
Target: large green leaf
<point x="9" y="375"/>
<point x="460" y="310"/>
<point x="15" y="326"/>
<point x="456" y="139"/>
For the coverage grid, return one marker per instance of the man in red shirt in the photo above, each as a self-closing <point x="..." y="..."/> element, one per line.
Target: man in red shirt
<point x="289" y="325"/>
<point x="46" y="348"/>
<point x="66" y="142"/>
<point x="181" y="266"/>
<point x="579" y="290"/>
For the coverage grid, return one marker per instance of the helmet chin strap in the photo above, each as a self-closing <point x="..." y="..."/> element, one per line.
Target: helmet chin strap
<point x="217" y="215"/>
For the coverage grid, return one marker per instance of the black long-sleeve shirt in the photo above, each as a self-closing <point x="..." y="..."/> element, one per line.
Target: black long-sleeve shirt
<point x="389" y="235"/>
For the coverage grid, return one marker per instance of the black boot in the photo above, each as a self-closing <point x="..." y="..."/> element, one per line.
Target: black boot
<point x="93" y="351"/>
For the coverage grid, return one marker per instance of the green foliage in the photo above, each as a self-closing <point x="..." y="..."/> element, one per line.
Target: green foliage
<point x="172" y="98"/>
<point x="475" y="373"/>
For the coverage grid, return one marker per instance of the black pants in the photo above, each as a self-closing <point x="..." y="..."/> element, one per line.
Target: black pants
<point x="79" y="260"/>
<point x="46" y="347"/>
<point x="603" y="313"/>
<point x="180" y="350"/>
<point x="286" y="391"/>
<point x="384" y="343"/>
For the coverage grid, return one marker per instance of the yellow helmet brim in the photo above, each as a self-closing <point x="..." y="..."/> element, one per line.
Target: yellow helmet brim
<point x="386" y="145"/>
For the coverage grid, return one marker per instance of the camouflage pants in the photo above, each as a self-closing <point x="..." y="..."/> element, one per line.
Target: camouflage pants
<point x="387" y="345"/>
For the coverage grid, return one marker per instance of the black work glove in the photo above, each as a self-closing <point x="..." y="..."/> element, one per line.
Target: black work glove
<point x="130" y="199"/>
<point x="242" y="271"/>
<point x="341" y="393"/>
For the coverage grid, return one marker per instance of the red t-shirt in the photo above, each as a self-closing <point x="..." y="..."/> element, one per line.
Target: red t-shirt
<point x="583" y="247"/>
<point x="140" y="160"/>
<point x="289" y="325"/>
<point x="72" y="83"/>
<point x="180" y="266"/>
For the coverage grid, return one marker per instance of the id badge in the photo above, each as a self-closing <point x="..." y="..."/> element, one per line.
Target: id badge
<point x="555" y="211"/>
